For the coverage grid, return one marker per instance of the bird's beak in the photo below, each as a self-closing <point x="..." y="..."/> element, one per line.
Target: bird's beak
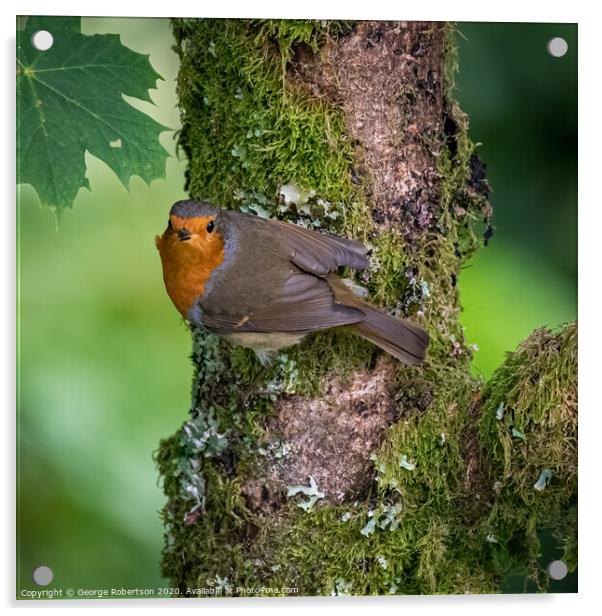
<point x="183" y="235"/>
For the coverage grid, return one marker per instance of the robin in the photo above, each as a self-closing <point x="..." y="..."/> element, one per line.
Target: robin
<point x="266" y="284"/>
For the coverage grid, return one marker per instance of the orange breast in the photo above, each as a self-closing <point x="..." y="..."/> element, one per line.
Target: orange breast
<point x="184" y="285"/>
<point x="187" y="266"/>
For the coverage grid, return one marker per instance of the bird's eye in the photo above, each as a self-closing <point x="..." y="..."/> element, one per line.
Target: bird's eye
<point x="210" y="226"/>
<point x="169" y="225"/>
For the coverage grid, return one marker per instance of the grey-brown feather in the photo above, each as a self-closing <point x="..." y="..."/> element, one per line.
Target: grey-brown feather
<point x="399" y="337"/>
<point x="320" y="254"/>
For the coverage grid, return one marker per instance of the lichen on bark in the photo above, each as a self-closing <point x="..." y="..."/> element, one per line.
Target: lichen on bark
<point x="337" y="469"/>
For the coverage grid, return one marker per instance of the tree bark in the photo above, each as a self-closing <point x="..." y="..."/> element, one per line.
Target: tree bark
<point x="337" y="469"/>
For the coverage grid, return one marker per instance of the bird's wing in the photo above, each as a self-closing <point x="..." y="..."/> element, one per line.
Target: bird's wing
<point x="318" y="253"/>
<point x="298" y="301"/>
<point x="305" y="303"/>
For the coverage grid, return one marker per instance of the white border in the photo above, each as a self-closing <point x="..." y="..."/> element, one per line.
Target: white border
<point x="457" y="10"/>
<point x="590" y="228"/>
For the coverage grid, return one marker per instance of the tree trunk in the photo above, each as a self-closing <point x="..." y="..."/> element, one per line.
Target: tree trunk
<point x="337" y="469"/>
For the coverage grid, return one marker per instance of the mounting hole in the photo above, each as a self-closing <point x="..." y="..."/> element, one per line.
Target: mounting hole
<point x="42" y="576"/>
<point x="42" y="40"/>
<point x="557" y="570"/>
<point x="557" y="47"/>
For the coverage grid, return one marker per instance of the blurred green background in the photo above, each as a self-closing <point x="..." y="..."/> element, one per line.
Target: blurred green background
<point x="522" y="105"/>
<point x="103" y="356"/>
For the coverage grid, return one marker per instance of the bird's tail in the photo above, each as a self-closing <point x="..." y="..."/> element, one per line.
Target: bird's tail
<point x="400" y="338"/>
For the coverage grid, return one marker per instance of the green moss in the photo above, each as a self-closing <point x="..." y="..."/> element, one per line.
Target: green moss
<point x="529" y="427"/>
<point x="387" y="269"/>
<point x="451" y="57"/>
<point x="325" y="552"/>
<point x="430" y="441"/>
<point x="246" y="130"/>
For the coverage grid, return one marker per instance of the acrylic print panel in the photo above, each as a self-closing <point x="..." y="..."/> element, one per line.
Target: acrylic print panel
<point x="260" y="409"/>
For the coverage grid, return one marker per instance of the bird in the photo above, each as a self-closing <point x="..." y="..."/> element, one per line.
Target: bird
<point x="266" y="284"/>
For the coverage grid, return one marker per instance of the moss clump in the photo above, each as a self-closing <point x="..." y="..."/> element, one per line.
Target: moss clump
<point x="422" y="457"/>
<point x="528" y="430"/>
<point x="338" y="551"/>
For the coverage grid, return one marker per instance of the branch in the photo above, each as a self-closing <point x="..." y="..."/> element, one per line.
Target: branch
<point x="337" y="470"/>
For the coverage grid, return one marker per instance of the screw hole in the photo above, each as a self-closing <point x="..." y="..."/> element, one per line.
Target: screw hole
<point x="557" y="47"/>
<point x="42" y="576"/>
<point x="42" y="40"/>
<point x="557" y="570"/>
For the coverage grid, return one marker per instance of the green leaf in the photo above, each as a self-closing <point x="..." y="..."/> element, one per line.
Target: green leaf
<point x="70" y="100"/>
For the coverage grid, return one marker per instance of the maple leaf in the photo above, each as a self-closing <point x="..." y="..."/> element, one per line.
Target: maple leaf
<point x="70" y="99"/>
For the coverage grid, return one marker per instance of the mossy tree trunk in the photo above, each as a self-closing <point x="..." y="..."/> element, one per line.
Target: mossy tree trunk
<point x="339" y="470"/>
